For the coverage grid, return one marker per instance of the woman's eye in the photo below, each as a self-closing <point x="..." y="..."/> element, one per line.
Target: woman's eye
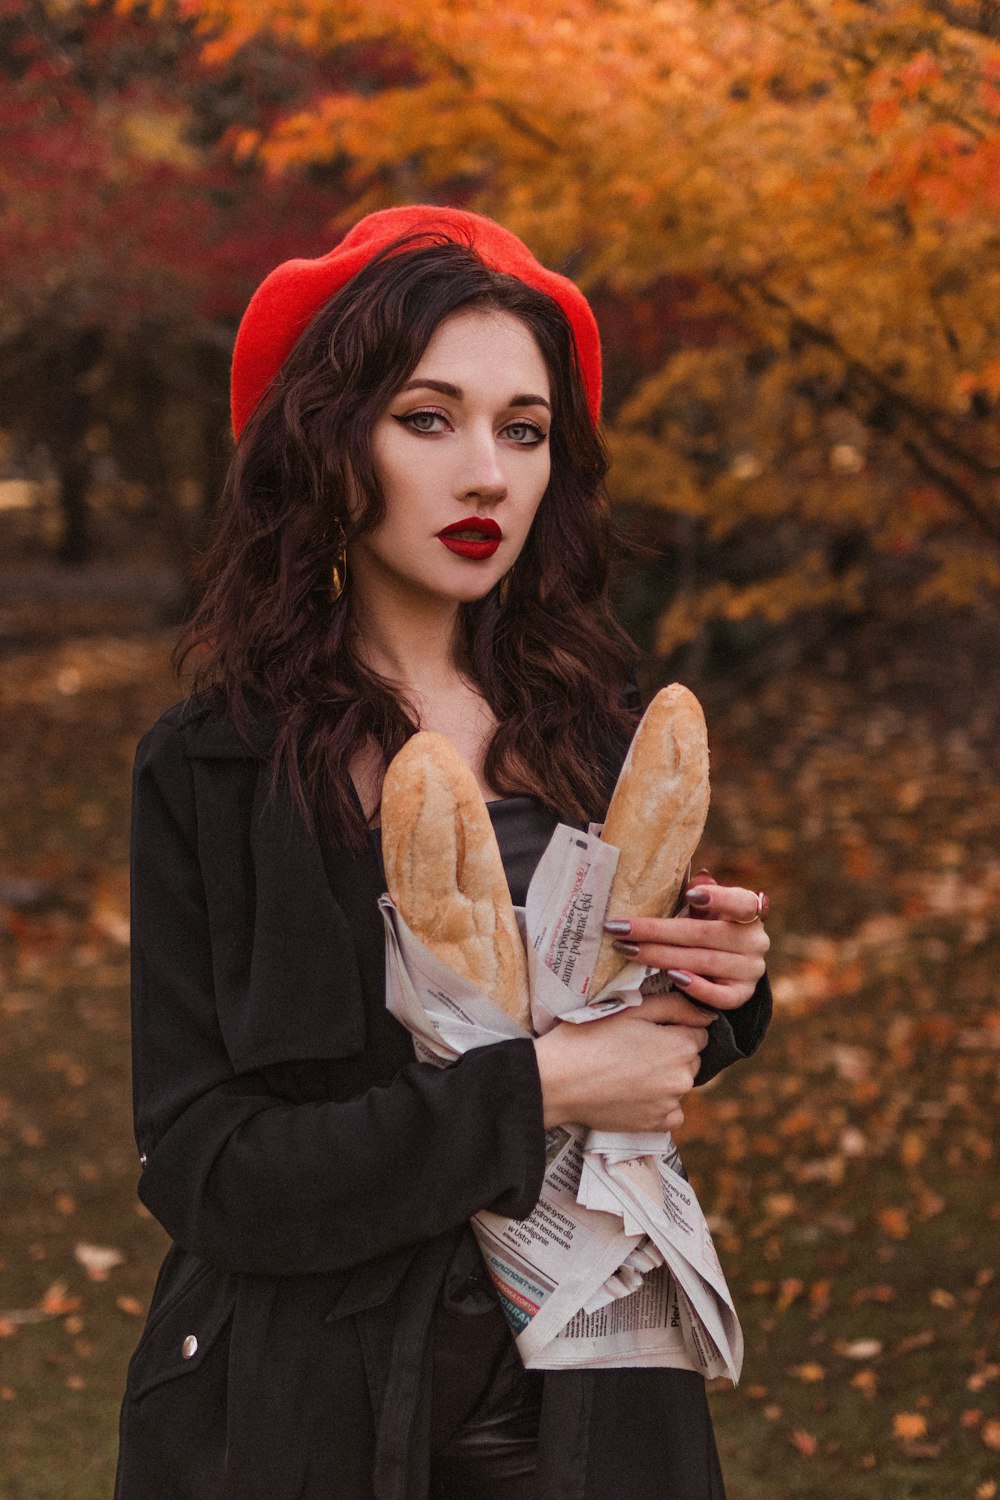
<point x="526" y="434"/>
<point x="422" y="421"/>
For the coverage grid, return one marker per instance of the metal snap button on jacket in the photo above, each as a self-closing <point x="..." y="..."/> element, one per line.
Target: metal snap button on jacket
<point x="189" y="1348"/>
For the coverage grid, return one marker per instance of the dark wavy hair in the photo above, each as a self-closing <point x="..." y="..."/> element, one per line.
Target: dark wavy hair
<point x="544" y="651"/>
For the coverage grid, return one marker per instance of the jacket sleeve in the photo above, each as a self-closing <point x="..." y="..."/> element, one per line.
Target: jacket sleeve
<point x="736" y="1033"/>
<point x="252" y="1183"/>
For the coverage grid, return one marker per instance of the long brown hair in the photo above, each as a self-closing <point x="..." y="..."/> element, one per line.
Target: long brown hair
<point x="544" y="650"/>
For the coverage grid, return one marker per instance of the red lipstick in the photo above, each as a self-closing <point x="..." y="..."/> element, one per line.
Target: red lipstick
<point x="473" y="538"/>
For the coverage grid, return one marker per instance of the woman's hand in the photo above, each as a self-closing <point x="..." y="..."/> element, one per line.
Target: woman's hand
<point x="714" y="951"/>
<point x="619" y="1072"/>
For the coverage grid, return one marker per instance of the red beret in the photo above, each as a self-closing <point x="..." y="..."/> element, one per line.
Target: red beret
<point x="286" y="300"/>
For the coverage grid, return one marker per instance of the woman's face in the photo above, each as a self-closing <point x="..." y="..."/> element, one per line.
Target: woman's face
<point x="462" y="454"/>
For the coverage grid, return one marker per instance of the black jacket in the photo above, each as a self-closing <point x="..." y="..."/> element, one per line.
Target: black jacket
<point x="312" y="1176"/>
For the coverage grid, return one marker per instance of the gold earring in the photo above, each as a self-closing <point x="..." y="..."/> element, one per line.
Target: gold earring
<point x="338" y="571"/>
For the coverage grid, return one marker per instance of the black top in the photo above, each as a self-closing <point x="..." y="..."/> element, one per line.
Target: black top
<point x="523" y="827"/>
<point x="471" y="1338"/>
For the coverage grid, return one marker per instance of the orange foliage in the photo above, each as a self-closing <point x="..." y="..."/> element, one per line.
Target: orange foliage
<point x="830" y="177"/>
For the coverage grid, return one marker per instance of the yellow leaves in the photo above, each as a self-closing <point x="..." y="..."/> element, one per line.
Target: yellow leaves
<point x="820" y="1296"/>
<point x="986" y="380"/>
<point x="807" y="586"/>
<point x="632" y="142"/>
<point x="909" y="1425"/>
<point x="964" y="573"/>
<point x="882" y="1292"/>
<point x="894" y="1222"/>
<point x="990" y="1434"/>
<point x="809" y="1373"/>
<point x="912" y="1148"/>
<point x="244" y="143"/>
<point x="790" y="1291"/>
<point x="159" y="136"/>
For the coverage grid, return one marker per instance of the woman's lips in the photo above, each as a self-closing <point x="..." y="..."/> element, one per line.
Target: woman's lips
<point x="473" y="538"/>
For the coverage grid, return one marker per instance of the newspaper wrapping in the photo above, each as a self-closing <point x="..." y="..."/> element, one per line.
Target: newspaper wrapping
<point x="615" y="1264"/>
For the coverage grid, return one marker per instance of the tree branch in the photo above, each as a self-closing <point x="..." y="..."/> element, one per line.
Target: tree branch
<point x="510" y="116"/>
<point x="871" y="387"/>
<point x="953" y="487"/>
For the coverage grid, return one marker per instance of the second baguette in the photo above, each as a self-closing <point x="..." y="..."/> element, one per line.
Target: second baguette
<point x="656" y="815"/>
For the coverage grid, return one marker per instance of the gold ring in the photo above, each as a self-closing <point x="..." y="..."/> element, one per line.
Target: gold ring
<point x="759" y="914"/>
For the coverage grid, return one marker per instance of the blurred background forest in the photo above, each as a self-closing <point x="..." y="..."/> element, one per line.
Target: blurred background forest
<point x="787" y="217"/>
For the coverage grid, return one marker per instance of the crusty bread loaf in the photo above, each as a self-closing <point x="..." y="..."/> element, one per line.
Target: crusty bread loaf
<point x="657" y="814"/>
<point x="444" y="872"/>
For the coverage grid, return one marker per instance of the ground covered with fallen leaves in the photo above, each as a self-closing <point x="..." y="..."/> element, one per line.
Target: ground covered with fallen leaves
<point x="849" y="1171"/>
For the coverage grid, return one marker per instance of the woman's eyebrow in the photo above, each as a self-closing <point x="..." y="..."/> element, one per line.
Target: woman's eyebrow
<point x="457" y="393"/>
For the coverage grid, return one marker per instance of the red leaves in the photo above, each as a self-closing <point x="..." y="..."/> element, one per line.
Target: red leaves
<point x="942" y="170"/>
<point x="882" y="114"/>
<point x="920" y="73"/>
<point x="114" y="189"/>
<point x="57" y="1301"/>
<point x="803" y="1442"/>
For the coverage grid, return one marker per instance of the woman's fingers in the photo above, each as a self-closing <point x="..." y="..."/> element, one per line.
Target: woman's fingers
<point x="714" y="963"/>
<point x="699" y="878"/>
<point x="672" y="1009"/>
<point x="714" y="953"/>
<point x="615" y="1073"/>
<point x="719" y="979"/>
<point x="730" y="902"/>
<point x="688" y="932"/>
<point x="719" y="995"/>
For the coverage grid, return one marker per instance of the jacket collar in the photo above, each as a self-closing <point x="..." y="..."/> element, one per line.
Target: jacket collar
<point x="210" y="732"/>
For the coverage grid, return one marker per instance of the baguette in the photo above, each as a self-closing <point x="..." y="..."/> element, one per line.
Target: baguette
<point x="444" y="872"/>
<point x="656" y="815"/>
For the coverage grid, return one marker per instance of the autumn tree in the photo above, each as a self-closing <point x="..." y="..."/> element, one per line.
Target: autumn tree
<point x="810" y="191"/>
<point x="131" y="241"/>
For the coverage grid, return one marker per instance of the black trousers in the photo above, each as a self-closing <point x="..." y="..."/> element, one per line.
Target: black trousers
<point x="486" y="1409"/>
<point x="486" y="1480"/>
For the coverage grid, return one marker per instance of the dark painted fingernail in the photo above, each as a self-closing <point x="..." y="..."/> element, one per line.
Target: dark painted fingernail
<point x="678" y="976"/>
<point x="699" y="896"/>
<point x="627" y="950"/>
<point x="622" y="928"/>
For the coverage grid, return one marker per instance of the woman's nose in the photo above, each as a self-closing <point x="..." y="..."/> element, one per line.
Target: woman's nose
<point x="481" y="470"/>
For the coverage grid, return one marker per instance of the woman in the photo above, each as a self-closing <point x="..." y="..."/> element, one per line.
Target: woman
<point x="414" y="534"/>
